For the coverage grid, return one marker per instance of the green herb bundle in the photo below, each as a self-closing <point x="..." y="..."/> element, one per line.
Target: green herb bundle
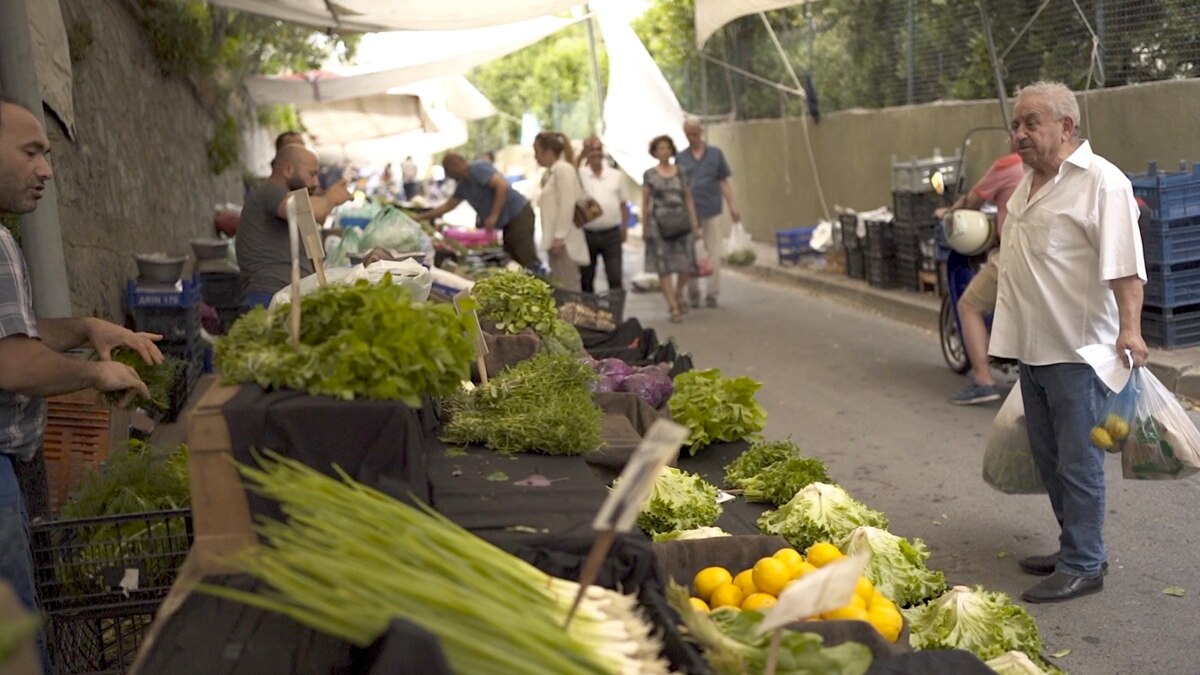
<point x="678" y="501"/>
<point x="715" y="408"/>
<point x="779" y="482"/>
<point x="159" y="379"/>
<point x="360" y="341"/>
<point x="756" y="458"/>
<point x="135" y="479"/>
<point x="515" y="301"/>
<point x="540" y="405"/>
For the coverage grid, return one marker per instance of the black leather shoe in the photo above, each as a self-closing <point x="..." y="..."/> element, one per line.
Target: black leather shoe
<point x="1043" y="565"/>
<point x="1062" y="586"/>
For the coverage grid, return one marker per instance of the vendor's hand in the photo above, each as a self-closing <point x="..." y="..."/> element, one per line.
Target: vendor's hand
<point x="489" y="223"/>
<point x="699" y="232"/>
<point x="624" y="234"/>
<point x="338" y="193"/>
<point x="1136" y="346"/>
<point x="105" y="337"/>
<point x="557" y="245"/>
<point x="940" y="212"/>
<point x="113" y="376"/>
<point x="735" y="214"/>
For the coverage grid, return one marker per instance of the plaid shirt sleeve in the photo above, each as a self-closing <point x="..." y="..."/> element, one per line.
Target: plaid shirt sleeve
<point x="16" y="299"/>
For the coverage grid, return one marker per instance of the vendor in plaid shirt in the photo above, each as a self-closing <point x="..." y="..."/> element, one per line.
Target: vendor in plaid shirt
<point x="32" y="365"/>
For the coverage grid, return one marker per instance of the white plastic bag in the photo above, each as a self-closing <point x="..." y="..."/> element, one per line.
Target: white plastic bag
<point x="1162" y="442"/>
<point x="822" y="237"/>
<point x="704" y="267"/>
<point x="1008" y="461"/>
<point x="739" y="249"/>
<point x="406" y="273"/>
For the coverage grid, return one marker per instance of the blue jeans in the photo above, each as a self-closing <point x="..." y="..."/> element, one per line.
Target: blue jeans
<point x="1062" y="402"/>
<point x="16" y="560"/>
<point x="256" y="299"/>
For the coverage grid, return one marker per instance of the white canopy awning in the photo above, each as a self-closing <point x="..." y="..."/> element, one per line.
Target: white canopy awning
<point x="365" y="118"/>
<point x="396" y="59"/>
<point x="380" y="15"/>
<point x="454" y="95"/>
<point x="712" y="14"/>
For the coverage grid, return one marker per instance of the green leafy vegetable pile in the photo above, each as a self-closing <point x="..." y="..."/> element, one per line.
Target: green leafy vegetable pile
<point x="678" y="501"/>
<point x="360" y="341"/>
<point x="732" y="647"/>
<point x="983" y="622"/>
<point x="159" y="379"/>
<point x="773" y="472"/>
<point x="716" y="408"/>
<point x="515" y="301"/>
<point x="897" y="567"/>
<point x="541" y="405"/>
<point x="136" y="479"/>
<point x="819" y="512"/>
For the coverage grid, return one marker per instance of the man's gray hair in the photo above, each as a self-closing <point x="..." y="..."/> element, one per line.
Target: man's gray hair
<point x="692" y="121"/>
<point x="1058" y="97"/>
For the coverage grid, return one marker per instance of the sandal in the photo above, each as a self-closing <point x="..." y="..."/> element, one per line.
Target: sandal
<point x="676" y="316"/>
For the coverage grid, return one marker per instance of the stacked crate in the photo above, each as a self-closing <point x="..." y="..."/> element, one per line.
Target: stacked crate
<point x="223" y="292"/>
<point x="856" y="262"/>
<point x="881" y="254"/>
<point x="913" y="202"/>
<point x="174" y="313"/>
<point x="1170" y="229"/>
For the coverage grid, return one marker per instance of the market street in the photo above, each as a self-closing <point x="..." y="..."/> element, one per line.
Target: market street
<point x="870" y="397"/>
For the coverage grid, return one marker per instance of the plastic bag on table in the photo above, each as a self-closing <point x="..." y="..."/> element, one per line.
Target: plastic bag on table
<point x="703" y="265"/>
<point x="407" y="274"/>
<point x="1162" y="442"/>
<point x="739" y="249"/>
<point x="393" y="229"/>
<point x="1008" y="460"/>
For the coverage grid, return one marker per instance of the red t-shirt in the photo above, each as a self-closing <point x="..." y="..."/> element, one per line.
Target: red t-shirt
<point x="999" y="183"/>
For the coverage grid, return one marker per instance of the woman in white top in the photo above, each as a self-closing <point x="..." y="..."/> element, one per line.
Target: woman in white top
<point x="564" y="243"/>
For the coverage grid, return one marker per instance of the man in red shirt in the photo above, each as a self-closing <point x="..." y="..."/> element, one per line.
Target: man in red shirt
<point x="996" y="186"/>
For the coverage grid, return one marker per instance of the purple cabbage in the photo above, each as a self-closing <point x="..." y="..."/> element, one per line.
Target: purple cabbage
<point x="651" y="384"/>
<point x="607" y="384"/>
<point x="613" y="367"/>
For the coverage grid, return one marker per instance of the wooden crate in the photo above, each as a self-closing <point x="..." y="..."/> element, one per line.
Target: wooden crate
<point x="78" y="438"/>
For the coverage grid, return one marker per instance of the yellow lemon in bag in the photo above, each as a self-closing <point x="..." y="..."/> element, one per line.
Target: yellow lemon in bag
<point x="770" y="575"/>
<point x="1101" y="438"/>
<point x="1117" y="427"/>
<point x="710" y="579"/>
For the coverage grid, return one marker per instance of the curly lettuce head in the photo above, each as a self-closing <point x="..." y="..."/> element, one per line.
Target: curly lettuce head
<point x="819" y="512"/>
<point x="984" y="622"/>
<point x="897" y="567"/>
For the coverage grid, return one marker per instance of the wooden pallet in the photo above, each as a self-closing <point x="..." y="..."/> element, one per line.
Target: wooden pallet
<point x="78" y="438"/>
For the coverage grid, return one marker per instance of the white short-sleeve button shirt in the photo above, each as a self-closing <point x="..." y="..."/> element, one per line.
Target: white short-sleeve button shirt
<point x="1060" y="250"/>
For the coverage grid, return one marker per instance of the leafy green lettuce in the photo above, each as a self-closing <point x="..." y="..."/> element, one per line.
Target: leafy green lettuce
<point x="819" y="512"/>
<point x="732" y="648"/>
<point x="897" y="567"/>
<point x="757" y="458"/>
<point x="515" y="300"/>
<point x="715" y="408"/>
<point x="983" y="622"/>
<point x="678" y="501"/>
<point x="778" y="483"/>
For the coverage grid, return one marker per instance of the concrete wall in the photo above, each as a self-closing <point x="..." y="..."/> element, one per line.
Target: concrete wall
<point x="136" y="178"/>
<point x="774" y="185"/>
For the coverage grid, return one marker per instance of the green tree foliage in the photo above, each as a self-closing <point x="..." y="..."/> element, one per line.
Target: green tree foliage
<point x="551" y="78"/>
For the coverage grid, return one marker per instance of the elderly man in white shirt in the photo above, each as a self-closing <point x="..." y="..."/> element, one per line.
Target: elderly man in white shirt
<point x="1071" y="275"/>
<point x="606" y="233"/>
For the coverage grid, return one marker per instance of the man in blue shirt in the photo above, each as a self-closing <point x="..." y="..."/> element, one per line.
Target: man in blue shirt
<point x="708" y="175"/>
<point x="498" y="206"/>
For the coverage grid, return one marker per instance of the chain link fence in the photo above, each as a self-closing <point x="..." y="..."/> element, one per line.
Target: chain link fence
<point x="871" y="54"/>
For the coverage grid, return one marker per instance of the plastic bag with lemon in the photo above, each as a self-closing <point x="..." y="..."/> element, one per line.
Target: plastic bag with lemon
<point x="758" y="587"/>
<point x="1117" y="418"/>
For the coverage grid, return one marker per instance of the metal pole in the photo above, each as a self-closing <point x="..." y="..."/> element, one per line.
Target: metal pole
<point x="703" y="84"/>
<point x="597" y="87"/>
<point x="912" y="29"/>
<point x="811" y="34"/>
<point x="41" y="236"/>
<point x="991" y="45"/>
<point x="1100" y="36"/>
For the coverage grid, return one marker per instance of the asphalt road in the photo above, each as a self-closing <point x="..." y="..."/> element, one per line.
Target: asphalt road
<point x="870" y="396"/>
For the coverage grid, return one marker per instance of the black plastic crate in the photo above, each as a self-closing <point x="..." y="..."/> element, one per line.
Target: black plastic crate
<point x="882" y="271"/>
<point x="87" y="562"/>
<point x="177" y="325"/>
<point x="101" y="640"/>
<point x="915" y="207"/>
<point x="1171" y="327"/>
<point x="1173" y="285"/>
<point x="222" y="290"/>
<point x="908" y="272"/>
<point x="856" y="264"/>
<point x="849" y="230"/>
<point x="909" y="240"/>
<point x="881" y="241"/>
<point x="597" y="311"/>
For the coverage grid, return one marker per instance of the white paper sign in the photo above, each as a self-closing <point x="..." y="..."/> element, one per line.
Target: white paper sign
<point x="825" y="590"/>
<point x="620" y="510"/>
<point x="1112" y="368"/>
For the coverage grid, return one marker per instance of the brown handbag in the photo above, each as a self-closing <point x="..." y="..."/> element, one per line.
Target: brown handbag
<point x="586" y="208"/>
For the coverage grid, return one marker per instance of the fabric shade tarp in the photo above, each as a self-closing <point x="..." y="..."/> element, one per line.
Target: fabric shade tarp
<point x="639" y="104"/>
<point x="712" y="14"/>
<point x="382" y="15"/>
<point x="397" y="59"/>
<point x="53" y="61"/>
<point x="365" y="118"/>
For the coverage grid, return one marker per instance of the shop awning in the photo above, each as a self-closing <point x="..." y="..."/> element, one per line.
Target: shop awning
<point x="365" y="118"/>
<point x="712" y="14"/>
<point x="364" y="16"/>
<point x="399" y="58"/>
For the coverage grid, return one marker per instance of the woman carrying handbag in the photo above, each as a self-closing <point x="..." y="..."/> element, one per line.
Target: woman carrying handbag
<point x="671" y="226"/>
<point x="564" y="243"/>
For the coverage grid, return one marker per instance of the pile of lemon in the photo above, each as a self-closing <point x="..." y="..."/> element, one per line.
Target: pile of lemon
<point x="758" y="588"/>
<point x="1111" y="434"/>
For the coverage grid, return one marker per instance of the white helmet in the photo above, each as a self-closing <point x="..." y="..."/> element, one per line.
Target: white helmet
<point x="969" y="232"/>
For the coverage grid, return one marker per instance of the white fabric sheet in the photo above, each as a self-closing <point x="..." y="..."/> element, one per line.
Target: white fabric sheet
<point x="380" y="15"/>
<point x="712" y="14"/>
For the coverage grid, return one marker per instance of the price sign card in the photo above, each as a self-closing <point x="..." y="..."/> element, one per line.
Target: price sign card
<point x="827" y="589"/>
<point x="310" y="233"/>
<point x="661" y="444"/>
<point x="481" y="347"/>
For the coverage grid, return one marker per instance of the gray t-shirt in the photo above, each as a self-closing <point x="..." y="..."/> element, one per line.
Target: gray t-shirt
<point x="704" y="177"/>
<point x="264" y="251"/>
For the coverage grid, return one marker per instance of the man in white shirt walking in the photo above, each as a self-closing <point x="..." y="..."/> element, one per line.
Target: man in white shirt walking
<point x="1071" y="275"/>
<point x="606" y="233"/>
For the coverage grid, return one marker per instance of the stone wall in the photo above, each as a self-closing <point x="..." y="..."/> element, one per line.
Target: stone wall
<point x="774" y="185"/>
<point x="136" y="177"/>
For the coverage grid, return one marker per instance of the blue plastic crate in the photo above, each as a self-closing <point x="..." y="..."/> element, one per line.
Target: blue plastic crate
<point x="793" y="243"/>
<point x="1171" y="327"/>
<point x="1169" y="195"/>
<point x="1173" y="285"/>
<point x="1171" y="241"/>
<point x="138" y="297"/>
